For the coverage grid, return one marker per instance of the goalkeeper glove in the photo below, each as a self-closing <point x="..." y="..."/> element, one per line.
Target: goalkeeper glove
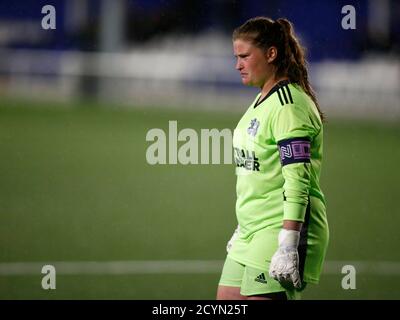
<point x="232" y="240"/>
<point x="284" y="265"/>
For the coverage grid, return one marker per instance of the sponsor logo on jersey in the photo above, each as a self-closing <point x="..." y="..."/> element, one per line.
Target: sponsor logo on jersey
<point x="261" y="278"/>
<point x="246" y="159"/>
<point x="254" y="124"/>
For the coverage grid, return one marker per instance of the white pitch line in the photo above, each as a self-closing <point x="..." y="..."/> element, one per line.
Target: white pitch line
<point x="115" y="267"/>
<point x="364" y="267"/>
<point x="174" y="267"/>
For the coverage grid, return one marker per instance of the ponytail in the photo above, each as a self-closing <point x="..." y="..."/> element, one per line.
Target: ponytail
<point x="293" y="62"/>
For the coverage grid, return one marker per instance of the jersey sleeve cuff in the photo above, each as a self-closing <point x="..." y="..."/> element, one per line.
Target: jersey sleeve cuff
<point x="294" y="211"/>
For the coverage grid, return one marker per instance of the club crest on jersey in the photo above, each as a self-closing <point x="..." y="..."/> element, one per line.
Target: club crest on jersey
<point x="252" y="130"/>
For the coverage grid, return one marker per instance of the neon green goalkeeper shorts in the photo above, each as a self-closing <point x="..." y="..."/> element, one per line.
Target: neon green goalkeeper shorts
<point x="252" y="281"/>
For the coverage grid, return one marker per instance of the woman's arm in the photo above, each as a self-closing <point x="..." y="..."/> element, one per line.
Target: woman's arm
<point x="292" y="225"/>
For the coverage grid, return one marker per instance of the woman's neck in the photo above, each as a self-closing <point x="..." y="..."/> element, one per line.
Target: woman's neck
<point x="269" y="84"/>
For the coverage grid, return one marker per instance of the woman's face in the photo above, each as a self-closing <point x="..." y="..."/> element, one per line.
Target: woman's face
<point x="252" y="63"/>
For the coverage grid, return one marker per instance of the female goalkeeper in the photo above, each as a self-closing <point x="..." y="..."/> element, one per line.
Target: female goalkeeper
<point x="282" y="235"/>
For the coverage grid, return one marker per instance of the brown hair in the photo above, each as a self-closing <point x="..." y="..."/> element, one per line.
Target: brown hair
<point x="264" y="33"/>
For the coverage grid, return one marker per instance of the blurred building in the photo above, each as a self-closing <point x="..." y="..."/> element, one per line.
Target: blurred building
<point x="179" y="53"/>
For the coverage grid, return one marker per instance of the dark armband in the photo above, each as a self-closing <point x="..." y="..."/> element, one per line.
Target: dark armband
<point x="294" y="150"/>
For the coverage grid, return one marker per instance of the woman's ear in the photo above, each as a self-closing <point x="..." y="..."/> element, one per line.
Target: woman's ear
<point x="271" y="54"/>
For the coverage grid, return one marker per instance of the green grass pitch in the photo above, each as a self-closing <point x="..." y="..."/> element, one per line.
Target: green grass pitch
<point x="75" y="186"/>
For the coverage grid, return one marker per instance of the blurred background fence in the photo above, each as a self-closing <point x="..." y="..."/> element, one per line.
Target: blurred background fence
<point x="171" y="53"/>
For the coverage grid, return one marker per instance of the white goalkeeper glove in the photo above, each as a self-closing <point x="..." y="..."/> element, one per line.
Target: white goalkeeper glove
<point x="232" y="240"/>
<point x="284" y="265"/>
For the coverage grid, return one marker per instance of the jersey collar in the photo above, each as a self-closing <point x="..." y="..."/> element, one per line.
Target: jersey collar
<point x="275" y="88"/>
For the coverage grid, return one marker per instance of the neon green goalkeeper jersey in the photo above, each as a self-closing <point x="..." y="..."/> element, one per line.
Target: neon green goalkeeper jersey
<point x="278" y="153"/>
